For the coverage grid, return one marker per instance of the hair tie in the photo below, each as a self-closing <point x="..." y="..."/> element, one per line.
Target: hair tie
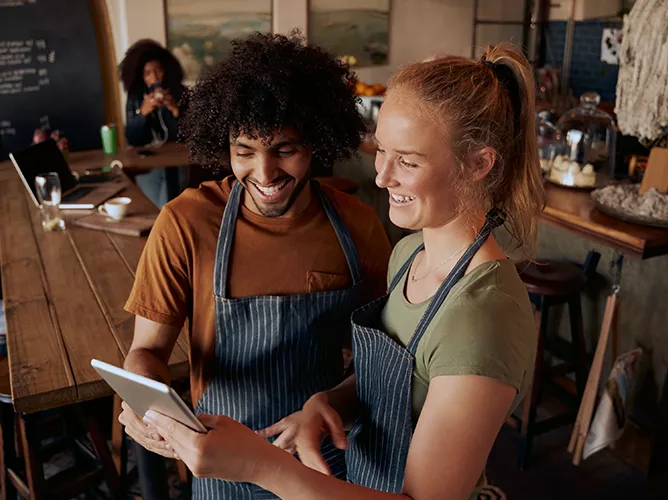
<point x="507" y="79"/>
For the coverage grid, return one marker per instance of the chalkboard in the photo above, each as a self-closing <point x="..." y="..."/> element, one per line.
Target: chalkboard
<point x="49" y="73"/>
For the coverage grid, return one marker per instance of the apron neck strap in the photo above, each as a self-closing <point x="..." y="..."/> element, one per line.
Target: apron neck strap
<point x="493" y="219"/>
<point x="227" y="227"/>
<point x="342" y="234"/>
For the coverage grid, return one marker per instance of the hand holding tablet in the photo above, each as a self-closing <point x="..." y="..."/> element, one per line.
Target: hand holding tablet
<point x="143" y="394"/>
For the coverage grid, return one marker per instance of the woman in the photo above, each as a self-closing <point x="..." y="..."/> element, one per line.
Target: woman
<point x="152" y="77"/>
<point x="446" y="356"/>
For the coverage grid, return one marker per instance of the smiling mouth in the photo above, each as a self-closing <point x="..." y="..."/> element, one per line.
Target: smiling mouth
<point x="399" y="200"/>
<point x="272" y="192"/>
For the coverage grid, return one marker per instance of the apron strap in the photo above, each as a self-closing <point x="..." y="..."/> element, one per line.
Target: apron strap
<point x="404" y="269"/>
<point x="225" y="239"/>
<point x="342" y="234"/>
<point x="493" y="219"/>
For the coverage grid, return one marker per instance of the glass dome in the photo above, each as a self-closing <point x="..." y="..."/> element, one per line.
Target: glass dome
<point x="589" y="134"/>
<point x="549" y="140"/>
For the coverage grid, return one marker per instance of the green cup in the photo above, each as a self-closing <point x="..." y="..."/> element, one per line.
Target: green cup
<point x="108" y="133"/>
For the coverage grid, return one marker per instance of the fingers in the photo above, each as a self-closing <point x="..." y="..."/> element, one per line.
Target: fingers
<point x="135" y="427"/>
<point x="274" y="429"/>
<point x="286" y="441"/>
<point x="180" y="437"/>
<point x="144" y="435"/>
<point x="335" y="427"/>
<point x="308" y="447"/>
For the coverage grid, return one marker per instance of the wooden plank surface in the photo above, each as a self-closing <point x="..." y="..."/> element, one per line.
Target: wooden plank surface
<point x="42" y="373"/>
<point x="64" y="294"/>
<point x="575" y="210"/>
<point x="168" y="155"/>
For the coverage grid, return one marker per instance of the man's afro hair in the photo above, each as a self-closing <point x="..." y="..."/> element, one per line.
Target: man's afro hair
<point x="268" y="82"/>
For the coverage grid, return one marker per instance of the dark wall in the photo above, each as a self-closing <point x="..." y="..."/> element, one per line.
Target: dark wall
<point x="49" y="72"/>
<point x="587" y="71"/>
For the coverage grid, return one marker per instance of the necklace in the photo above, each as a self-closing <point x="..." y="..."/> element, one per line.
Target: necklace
<point x="414" y="279"/>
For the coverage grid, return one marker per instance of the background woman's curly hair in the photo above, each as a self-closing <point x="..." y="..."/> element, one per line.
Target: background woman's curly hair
<point x="269" y="82"/>
<point x="132" y="66"/>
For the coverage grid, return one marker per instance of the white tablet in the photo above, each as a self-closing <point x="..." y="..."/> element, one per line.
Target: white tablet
<point x="143" y="394"/>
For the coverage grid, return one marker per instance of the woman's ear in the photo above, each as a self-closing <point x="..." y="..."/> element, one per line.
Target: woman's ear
<point x="483" y="161"/>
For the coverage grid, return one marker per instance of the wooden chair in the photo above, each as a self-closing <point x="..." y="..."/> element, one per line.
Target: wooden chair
<point x="22" y="438"/>
<point x="551" y="283"/>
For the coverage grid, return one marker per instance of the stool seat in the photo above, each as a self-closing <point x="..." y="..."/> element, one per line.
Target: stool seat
<point x="551" y="277"/>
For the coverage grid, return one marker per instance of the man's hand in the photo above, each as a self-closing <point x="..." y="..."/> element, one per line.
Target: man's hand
<point x="287" y="428"/>
<point x="144" y="434"/>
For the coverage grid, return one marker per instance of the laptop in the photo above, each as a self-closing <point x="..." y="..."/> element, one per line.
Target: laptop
<point x="46" y="157"/>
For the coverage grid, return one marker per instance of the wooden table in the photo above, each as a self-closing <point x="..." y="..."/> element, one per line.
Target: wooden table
<point x="64" y="295"/>
<point x="575" y="211"/>
<point x="169" y="155"/>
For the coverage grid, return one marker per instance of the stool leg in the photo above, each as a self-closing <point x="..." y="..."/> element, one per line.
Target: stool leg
<point x="104" y="455"/>
<point x="578" y="344"/>
<point x="7" y="451"/>
<point x="532" y="398"/>
<point x="30" y="445"/>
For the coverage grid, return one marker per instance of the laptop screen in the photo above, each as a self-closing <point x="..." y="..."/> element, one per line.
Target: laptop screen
<point x="41" y="158"/>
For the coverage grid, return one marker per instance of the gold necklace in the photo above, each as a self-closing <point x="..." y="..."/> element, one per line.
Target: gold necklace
<point x="415" y="280"/>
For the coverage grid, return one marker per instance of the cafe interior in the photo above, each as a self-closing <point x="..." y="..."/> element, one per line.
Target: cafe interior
<point x="594" y="423"/>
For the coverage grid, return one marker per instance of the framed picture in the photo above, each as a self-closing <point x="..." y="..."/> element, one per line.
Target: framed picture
<point x="357" y="28"/>
<point x="199" y="31"/>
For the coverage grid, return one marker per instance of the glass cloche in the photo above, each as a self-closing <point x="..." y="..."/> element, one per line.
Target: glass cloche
<point x="589" y="133"/>
<point x="549" y="140"/>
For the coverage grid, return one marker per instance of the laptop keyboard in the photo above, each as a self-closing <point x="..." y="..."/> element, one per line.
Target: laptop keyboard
<point x="77" y="194"/>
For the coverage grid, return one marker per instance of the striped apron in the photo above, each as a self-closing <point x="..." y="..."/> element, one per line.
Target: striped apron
<point x="274" y="352"/>
<point x="381" y="435"/>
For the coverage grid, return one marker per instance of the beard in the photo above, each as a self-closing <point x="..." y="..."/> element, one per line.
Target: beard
<point x="278" y="209"/>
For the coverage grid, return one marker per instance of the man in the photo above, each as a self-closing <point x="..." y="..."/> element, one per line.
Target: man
<point x="268" y="291"/>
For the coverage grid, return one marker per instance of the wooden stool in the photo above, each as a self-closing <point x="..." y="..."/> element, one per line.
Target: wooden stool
<point x="24" y="432"/>
<point x="552" y="283"/>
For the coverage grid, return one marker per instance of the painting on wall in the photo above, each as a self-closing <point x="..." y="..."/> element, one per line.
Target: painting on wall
<point x="357" y="28"/>
<point x="199" y="31"/>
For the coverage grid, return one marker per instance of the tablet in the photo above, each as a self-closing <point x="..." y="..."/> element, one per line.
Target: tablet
<point x="143" y="394"/>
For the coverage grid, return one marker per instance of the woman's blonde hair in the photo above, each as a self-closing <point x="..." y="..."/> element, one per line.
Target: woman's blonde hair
<point x="486" y="103"/>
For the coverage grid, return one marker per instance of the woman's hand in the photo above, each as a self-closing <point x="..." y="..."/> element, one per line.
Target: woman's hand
<point x="229" y="450"/>
<point x="143" y="434"/>
<point x="149" y="104"/>
<point x="170" y="103"/>
<point x="318" y="420"/>
<point x="287" y="428"/>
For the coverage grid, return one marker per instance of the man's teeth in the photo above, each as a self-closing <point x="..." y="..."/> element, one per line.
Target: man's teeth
<point x="402" y="199"/>
<point x="268" y="191"/>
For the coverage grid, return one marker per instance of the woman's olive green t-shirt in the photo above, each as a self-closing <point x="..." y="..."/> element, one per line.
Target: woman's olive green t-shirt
<point x="484" y="327"/>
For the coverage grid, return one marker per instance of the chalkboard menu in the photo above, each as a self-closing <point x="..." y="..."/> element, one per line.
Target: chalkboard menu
<point x="49" y="73"/>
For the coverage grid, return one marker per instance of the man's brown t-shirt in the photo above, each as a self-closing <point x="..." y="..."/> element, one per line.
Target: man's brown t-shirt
<point x="270" y="256"/>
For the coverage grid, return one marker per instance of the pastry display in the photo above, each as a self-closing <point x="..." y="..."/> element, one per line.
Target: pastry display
<point x="571" y="173"/>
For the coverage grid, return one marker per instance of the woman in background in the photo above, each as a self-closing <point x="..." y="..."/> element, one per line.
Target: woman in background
<point x="152" y="77"/>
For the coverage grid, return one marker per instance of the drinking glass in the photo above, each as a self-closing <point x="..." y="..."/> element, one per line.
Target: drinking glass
<point x="49" y="194"/>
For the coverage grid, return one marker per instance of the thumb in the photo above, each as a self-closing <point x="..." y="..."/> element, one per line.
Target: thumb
<point x="273" y="429"/>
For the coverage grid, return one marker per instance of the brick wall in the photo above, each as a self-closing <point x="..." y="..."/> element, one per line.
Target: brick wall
<point x="587" y="71"/>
